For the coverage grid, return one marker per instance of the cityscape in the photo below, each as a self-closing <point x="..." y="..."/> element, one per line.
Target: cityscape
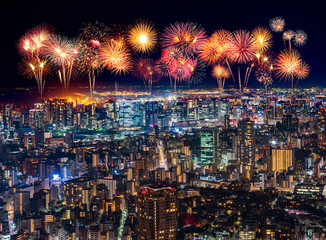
<point x="162" y="128"/>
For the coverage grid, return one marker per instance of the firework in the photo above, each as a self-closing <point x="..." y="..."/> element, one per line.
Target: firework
<point x="142" y="36"/>
<point x="264" y="76"/>
<point x="243" y="46"/>
<point x="90" y="64"/>
<point x="115" y="57"/>
<point x="198" y="73"/>
<point x="221" y="73"/>
<point x="182" y="69"/>
<point x="300" y="38"/>
<point x="63" y="52"/>
<point x="118" y="33"/>
<point x="262" y="38"/>
<point x="277" y="24"/>
<point x="35" y="63"/>
<point x="186" y="36"/>
<point x="243" y="49"/>
<point x="216" y="47"/>
<point x="302" y="71"/>
<point x="144" y="68"/>
<point x="92" y="37"/>
<point x="33" y="42"/>
<point x="288" y="35"/>
<point x="37" y="69"/>
<point x="168" y="56"/>
<point x="287" y="64"/>
<point x="94" y="34"/>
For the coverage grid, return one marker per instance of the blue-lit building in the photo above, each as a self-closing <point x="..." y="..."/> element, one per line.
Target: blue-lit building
<point x="130" y="113"/>
<point x="209" y="146"/>
<point x="151" y="114"/>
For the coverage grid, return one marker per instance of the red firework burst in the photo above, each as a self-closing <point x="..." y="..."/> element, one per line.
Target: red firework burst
<point x="144" y="68"/>
<point x="243" y="46"/>
<point x="187" y="36"/>
<point x="182" y="69"/>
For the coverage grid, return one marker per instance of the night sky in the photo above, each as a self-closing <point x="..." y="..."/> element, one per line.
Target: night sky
<point x="67" y="18"/>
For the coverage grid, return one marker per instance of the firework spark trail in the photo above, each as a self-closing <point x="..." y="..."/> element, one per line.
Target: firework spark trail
<point x="188" y="37"/>
<point x="63" y="53"/>
<point x="115" y="57"/>
<point x="181" y="69"/>
<point x="288" y="36"/>
<point x="92" y="37"/>
<point x="264" y="76"/>
<point x="221" y="73"/>
<point x="144" y="68"/>
<point x="198" y="73"/>
<point x="243" y="49"/>
<point x="31" y="47"/>
<point x="286" y="65"/>
<point x="302" y="71"/>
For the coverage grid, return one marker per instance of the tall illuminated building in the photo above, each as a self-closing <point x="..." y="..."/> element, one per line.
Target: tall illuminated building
<point x="59" y="112"/>
<point x="25" y="117"/>
<point x="157" y="213"/>
<point x="22" y="202"/>
<point x="223" y="109"/>
<point x="130" y="113"/>
<point x="246" y="142"/>
<point x="111" y="111"/>
<point x="192" y="109"/>
<point x="151" y="114"/>
<point x="7" y="115"/>
<point x="280" y="159"/>
<point x="181" y="110"/>
<point x="36" y="116"/>
<point x="209" y="146"/>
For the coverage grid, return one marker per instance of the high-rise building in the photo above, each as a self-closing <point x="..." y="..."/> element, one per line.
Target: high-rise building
<point x="36" y="116"/>
<point x="7" y="115"/>
<point x="151" y="114"/>
<point x="192" y="113"/>
<point x="209" y="146"/>
<point x="157" y="213"/>
<point x="246" y="142"/>
<point x="111" y="111"/>
<point x="223" y="109"/>
<point x="130" y="113"/>
<point x="59" y="112"/>
<point x="181" y="110"/>
<point x="280" y="159"/>
<point x="25" y="117"/>
<point x="21" y="202"/>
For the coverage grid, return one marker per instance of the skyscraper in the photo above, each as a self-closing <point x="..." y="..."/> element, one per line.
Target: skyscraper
<point x="111" y="111"/>
<point x="151" y="111"/>
<point x="130" y="113"/>
<point x="246" y="142"/>
<point x="157" y="213"/>
<point x="209" y="146"/>
<point x="21" y="202"/>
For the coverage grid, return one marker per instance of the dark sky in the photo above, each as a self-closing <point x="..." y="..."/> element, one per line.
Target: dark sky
<point x="67" y="17"/>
